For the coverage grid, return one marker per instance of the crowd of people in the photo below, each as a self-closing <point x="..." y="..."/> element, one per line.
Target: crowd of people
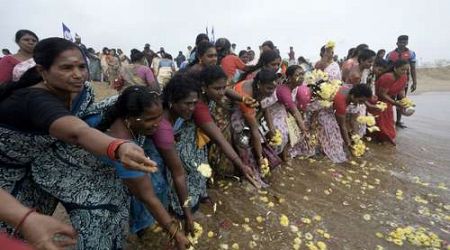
<point x="144" y="156"/>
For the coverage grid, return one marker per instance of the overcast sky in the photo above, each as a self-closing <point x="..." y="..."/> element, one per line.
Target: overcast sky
<point x="305" y="25"/>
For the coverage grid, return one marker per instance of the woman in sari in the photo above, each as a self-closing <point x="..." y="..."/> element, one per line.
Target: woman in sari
<point x="137" y="73"/>
<point x="95" y="68"/>
<point x="41" y="109"/>
<point x="179" y="100"/>
<point x="12" y="67"/>
<point x="387" y="87"/>
<point x="290" y="96"/>
<point x="249" y="126"/>
<point x="166" y="69"/>
<point x="113" y="66"/>
<point x="231" y="64"/>
<point x="206" y="55"/>
<point x="220" y="102"/>
<point x="326" y="62"/>
<point x="345" y="99"/>
<point x="325" y="133"/>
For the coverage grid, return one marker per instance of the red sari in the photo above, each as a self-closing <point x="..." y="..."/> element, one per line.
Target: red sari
<point x="385" y="119"/>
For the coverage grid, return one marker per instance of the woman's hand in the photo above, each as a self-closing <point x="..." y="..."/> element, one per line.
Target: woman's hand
<point x="40" y="231"/>
<point x="133" y="157"/>
<point x="250" y="102"/>
<point x="249" y="174"/>
<point x="181" y="241"/>
<point x="189" y="224"/>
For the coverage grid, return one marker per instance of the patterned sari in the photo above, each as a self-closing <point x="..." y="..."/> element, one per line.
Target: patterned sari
<point x="191" y="156"/>
<point x="88" y="188"/>
<point x="218" y="160"/>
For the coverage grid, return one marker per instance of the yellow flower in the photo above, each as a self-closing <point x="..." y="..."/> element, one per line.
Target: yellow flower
<point x="406" y="102"/>
<point x="252" y="244"/>
<point x="259" y="219"/>
<point x="373" y="129"/>
<point x="265" y="170"/>
<point x="381" y="105"/>
<point x="369" y="120"/>
<point x="358" y="147"/>
<point x="284" y="220"/>
<point x="224" y="246"/>
<point x="198" y="231"/>
<point x="205" y="170"/>
<point x="317" y="218"/>
<point x="419" y="199"/>
<point x="321" y="245"/>
<point x="325" y="104"/>
<point x="367" y="217"/>
<point x="311" y="246"/>
<point x="308" y="236"/>
<point x="210" y="234"/>
<point x="235" y="246"/>
<point x="330" y="44"/>
<point x="294" y="228"/>
<point x="276" y="139"/>
<point x="306" y="220"/>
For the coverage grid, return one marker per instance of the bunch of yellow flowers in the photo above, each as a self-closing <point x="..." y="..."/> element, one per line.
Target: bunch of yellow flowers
<point x="368" y="120"/>
<point x="265" y="170"/>
<point x="381" y="106"/>
<point x="406" y="102"/>
<point x="205" y="170"/>
<point x="358" y="147"/>
<point x="276" y="139"/>
<point x="314" y="76"/>
<point x="417" y="237"/>
<point x="198" y="231"/>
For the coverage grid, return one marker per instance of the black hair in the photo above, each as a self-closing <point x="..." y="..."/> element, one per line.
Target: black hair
<point x="265" y="58"/>
<point x="361" y="90"/>
<point x="179" y="87"/>
<point x="242" y="52"/>
<point x="201" y="50"/>
<point x="6" y="51"/>
<point x="21" y="33"/>
<point x="201" y="37"/>
<point x="396" y="65"/>
<point x="301" y="59"/>
<point x="365" y="54"/>
<point x="264" y="76"/>
<point x="44" y="54"/>
<point x="402" y="38"/>
<point x="380" y="62"/>
<point x="350" y="53"/>
<point x="380" y="51"/>
<point x="291" y="70"/>
<point x="322" y="50"/>
<point x="136" y="55"/>
<point x="131" y="103"/>
<point x="359" y="48"/>
<point x="269" y="44"/>
<point x="211" y="74"/>
<point x="105" y="49"/>
<point x="223" y="48"/>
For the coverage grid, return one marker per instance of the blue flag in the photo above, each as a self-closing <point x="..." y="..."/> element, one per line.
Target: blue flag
<point x="66" y="33"/>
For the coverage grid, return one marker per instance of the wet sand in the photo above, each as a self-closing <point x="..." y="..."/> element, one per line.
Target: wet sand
<point x="346" y="206"/>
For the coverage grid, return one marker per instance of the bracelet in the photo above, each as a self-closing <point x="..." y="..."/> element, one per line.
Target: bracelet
<point x="16" y="230"/>
<point x="177" y="227"/>
<point x="112" y="148"/>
